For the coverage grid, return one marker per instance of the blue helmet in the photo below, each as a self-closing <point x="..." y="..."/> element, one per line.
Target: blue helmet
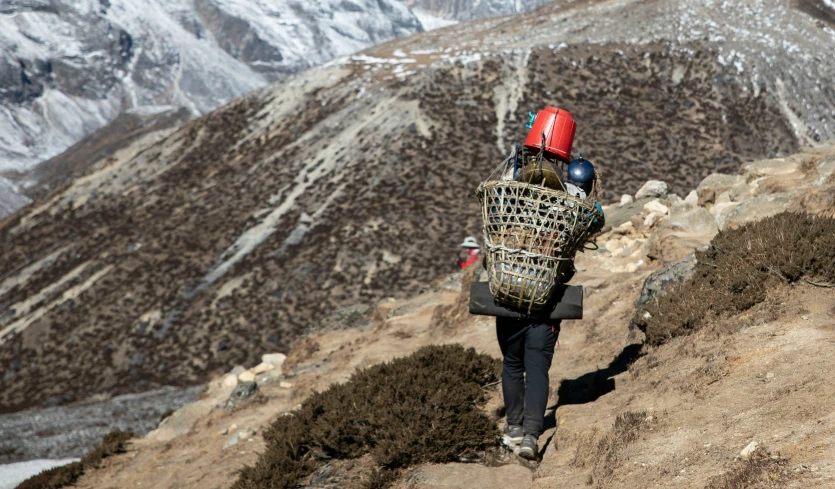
<point x="581" y="171"/>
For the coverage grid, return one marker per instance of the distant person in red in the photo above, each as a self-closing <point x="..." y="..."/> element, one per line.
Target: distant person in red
<point x="469" y="253"/>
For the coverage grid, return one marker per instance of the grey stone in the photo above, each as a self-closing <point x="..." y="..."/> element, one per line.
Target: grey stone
<point x="767" y="168"/>
<point x="660" y="281"/>
<point x="716" y="183"/>
<point x="757" y="208"/>
<point x="652" y="189"/>
<point x="695" y="221"/>
<point x="615" y="216"/>
<point x="242" y="392"/>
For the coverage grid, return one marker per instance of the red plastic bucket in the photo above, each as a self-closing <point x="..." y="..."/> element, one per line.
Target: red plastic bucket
<point x="558" y="127"/>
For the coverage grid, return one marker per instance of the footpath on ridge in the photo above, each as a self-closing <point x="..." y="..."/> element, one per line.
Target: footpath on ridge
<point x="751" y="392"/>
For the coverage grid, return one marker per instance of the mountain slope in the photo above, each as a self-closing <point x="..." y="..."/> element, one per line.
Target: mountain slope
<point x="695" y="402"/>
<point x="11" y="198"/>
<point x="69" y="67"/>
<point x="473" y="9"/>
<point x="353" y="181"/>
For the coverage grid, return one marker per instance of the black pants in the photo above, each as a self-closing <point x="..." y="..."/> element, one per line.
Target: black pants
<point x="528" y="348"/>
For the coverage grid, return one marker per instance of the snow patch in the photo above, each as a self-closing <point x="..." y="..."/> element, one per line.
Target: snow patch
<point x="431" y="22"/>
<point x="13" y="474"/>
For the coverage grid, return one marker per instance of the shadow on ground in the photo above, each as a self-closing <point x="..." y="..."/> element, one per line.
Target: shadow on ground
<point x="591" y="386"/>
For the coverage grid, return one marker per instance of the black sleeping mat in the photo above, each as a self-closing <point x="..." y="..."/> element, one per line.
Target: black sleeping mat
<point x="568" y="303"/>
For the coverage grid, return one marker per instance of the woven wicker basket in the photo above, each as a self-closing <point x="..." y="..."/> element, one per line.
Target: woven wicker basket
<point x="530" y="233"/>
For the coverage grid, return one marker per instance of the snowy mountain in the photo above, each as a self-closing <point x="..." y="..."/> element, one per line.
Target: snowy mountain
<point x="68" y="67"/>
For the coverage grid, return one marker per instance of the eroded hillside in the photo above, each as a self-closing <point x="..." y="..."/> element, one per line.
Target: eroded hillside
<point x="239" y="231"/>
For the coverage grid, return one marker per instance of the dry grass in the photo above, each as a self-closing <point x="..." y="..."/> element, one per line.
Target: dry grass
<point x="607" y="454"/>
<point x="423" y="408"/>
<point x="739" y="269"/>
<point x="760" y="470"/>
<point x="113" y="443"/>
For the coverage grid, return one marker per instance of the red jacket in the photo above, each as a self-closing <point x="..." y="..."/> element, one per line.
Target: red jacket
<point x="471" y="259"/>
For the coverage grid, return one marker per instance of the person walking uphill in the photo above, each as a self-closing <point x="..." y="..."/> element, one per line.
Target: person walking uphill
<point x="528" y="348"/>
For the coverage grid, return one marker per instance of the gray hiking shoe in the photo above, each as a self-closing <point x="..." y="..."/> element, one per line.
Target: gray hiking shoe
<point x="513" y="434"/>
<point x="528" y="449"/>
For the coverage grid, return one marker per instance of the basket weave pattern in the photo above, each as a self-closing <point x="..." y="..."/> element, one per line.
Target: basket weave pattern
<point x="530" y="234"/>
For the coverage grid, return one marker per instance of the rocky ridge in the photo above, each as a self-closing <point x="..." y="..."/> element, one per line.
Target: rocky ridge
<point x="704" y="404"/>
<point x="343" y="184"/>
<point x="68" y="68"/>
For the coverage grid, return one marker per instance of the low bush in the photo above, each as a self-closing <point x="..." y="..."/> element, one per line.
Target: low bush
<point x="423" y="408"/>
<point x="738" y="268"/>
<point x="66" y="475"/>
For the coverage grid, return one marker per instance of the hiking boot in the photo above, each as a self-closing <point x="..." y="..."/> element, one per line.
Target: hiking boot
<point x="513" y="435"/>
<point x="528" y="449"/>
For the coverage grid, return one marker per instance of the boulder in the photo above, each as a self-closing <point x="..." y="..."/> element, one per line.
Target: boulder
<point x="655" y="206"/>
<point x="714" y="184"/>
<point x="757" y="208"/>
<point x="246" y="376"/>
<point x="626" y="199"/>
<point x="262" y="367"/>
<point x="625" y="228"/>
<point x="229" y="380"/>
<point x="695" y="221"/>
<point x="740" y="192"/>
<point x="749" y="449"/>
<point x="274" y="359"/>
<point x="652" y="219"/>
<point x="615" y="216"/>
<point x="657" y="283"/>
<point x="652" y="189"/>
<point x="721" y="211"/>
<point x="681" y="207"/>
<point x="770" y="168"/>
<point x="242" y="392"/>
<point x="692" y="198"/>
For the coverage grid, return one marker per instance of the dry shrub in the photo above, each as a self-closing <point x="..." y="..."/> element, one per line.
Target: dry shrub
<point x="738" y="269"/>
<point x="609" y="453"/>
<point x="64" y="476"/>
<point x="760" y="470"/>
<point x="423" y="408"/>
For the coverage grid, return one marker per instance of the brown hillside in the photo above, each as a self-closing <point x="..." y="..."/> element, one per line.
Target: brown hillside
<point x="343" y="185"/>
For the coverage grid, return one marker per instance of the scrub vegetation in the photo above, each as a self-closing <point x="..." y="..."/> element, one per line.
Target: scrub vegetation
<point x="738" y="270"/>
<point x="424" y="408"/>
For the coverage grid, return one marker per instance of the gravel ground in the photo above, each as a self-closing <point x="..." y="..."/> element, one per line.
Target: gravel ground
<point x="71" y="431"/>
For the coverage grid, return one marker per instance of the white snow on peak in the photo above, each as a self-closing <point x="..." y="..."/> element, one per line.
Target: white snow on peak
<point x="69" y="69"/>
